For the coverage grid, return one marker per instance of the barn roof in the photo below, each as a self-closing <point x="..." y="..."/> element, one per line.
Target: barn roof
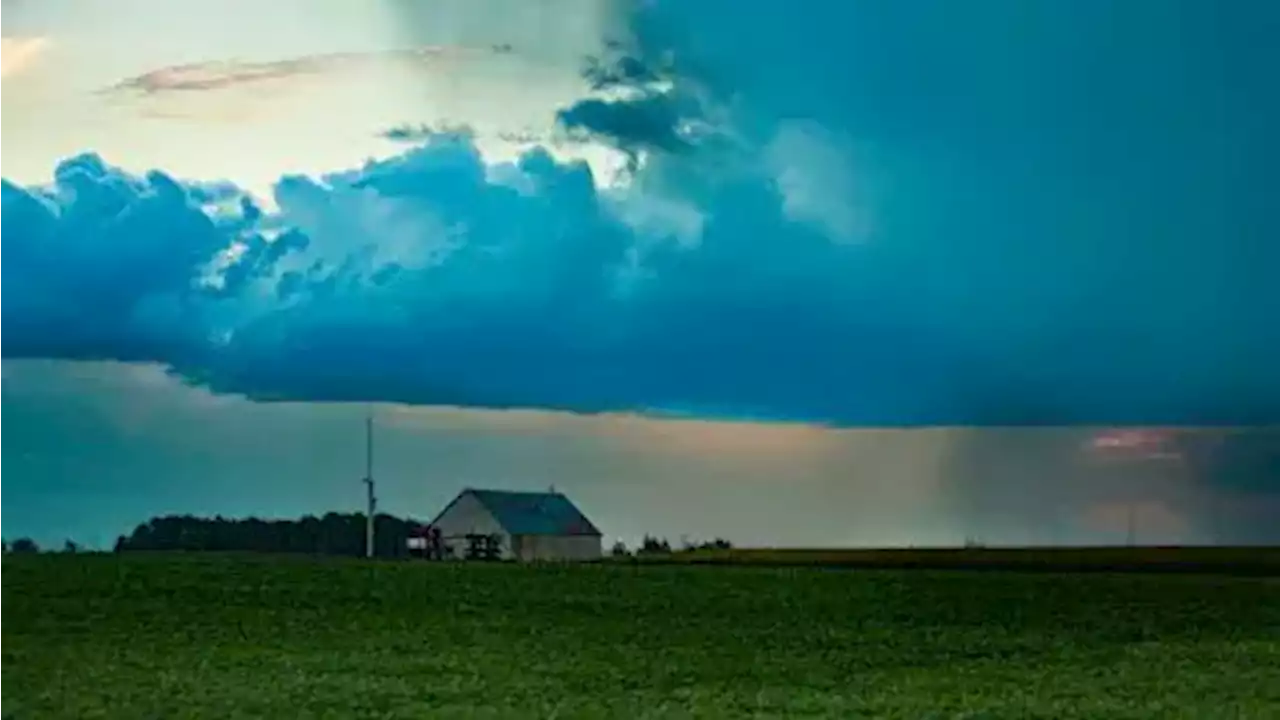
<point x="534" y="513"/>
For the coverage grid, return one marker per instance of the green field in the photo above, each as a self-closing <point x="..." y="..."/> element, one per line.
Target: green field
<point x="1260" y="561"/>
<point x="166" y="636"/>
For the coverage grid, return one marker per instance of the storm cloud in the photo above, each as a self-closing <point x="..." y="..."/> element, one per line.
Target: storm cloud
<point x="865" y="215"/>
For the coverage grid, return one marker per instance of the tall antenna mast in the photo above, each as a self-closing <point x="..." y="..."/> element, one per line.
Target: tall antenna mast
<point x="372" y="500"/>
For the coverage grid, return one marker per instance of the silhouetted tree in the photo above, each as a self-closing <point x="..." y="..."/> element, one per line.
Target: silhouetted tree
<point x="620" y="549"/>
<point x="24" y="545"/>
<point x="70" y="546"/>
<point x="717" y="544"/>
<point x="652" y="544"/>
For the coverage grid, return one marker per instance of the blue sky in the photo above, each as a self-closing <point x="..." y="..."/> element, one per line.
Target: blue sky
<point x="863" y="215"/>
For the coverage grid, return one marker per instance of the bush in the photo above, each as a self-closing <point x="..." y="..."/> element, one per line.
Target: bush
<point x="652" y="545"/>
<point x="717" y="544"/>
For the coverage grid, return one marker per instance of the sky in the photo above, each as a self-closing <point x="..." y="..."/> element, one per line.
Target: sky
<point x="863" y="274"/>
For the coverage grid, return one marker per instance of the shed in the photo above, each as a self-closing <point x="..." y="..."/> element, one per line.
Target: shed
<point x="529" y="525"/>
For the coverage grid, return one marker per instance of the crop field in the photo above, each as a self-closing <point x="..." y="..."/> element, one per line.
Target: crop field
<point x="1220" y="560"/>
<point x="170" y="636"/>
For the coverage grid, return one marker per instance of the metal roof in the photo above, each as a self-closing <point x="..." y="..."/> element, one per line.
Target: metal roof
<point x="534" y="513"/>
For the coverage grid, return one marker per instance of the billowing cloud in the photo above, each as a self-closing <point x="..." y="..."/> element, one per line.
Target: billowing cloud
<point x="434" y="278"/>
<point x="1035" y="243"/>
<point x="19" y="53"/>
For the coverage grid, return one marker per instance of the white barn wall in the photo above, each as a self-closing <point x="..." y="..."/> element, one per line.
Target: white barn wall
<point x="557" y="547"/>
<point x="469" y="516"/>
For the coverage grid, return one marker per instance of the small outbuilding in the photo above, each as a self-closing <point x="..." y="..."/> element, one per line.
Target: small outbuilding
<point x="526" y="526"/>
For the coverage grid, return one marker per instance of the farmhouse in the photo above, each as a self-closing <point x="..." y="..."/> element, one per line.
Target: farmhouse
<point x="523" y="525"/>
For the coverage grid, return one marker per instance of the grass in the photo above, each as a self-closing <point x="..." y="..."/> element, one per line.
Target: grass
<point x="168" y="636"/>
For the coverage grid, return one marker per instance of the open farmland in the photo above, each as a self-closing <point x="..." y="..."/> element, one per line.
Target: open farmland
<point x="150" y="636"/>
<point x="1219" y="560"/>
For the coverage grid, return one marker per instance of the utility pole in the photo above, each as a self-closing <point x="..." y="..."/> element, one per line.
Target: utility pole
<point x="1215" y="500"/>
<point x="372" y="500"/>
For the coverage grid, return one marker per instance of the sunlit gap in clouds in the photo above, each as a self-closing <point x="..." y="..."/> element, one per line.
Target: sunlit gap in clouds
<point x="17" y="54"/>
<point x="436" y="89"/>
<point x="149" y="85"/>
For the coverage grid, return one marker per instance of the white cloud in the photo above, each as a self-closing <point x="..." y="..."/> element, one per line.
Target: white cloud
<point x="813" y="171"/>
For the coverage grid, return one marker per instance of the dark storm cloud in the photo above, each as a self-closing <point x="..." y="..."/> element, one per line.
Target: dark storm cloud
<point x="1068" y="226"/>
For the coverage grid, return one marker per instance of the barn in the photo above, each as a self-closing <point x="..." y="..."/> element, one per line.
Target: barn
<point x="528" y="526"/>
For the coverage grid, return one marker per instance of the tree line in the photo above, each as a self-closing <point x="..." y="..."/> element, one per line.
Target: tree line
<point x="654" y="545"/>
<point x="331" y="534"/>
